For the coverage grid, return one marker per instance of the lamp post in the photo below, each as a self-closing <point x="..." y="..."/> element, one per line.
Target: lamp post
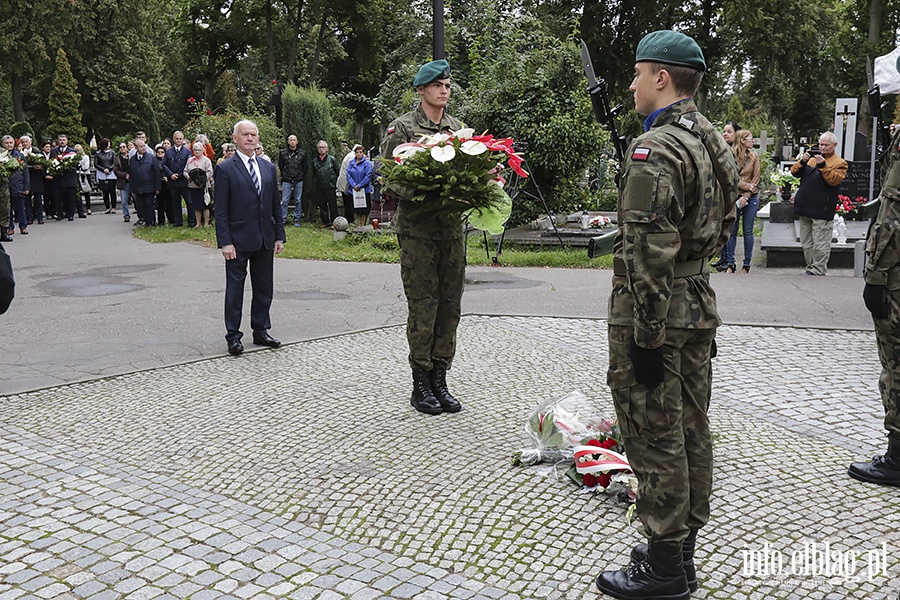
<point x="438" y="28"/>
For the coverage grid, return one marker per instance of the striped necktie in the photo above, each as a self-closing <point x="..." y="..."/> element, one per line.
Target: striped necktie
<point x="252" y="164"/>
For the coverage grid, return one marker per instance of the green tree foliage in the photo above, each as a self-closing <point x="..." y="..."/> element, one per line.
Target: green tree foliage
<point x="64" y="102"/>
<point x="530" y="86"/>
<point x="736" y="112"/>
<point x="217" y="35"/>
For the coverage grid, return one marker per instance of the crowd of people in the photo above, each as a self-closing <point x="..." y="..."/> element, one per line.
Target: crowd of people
<point x="161" y="184"/>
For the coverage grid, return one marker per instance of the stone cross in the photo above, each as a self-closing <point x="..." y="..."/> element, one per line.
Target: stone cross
<point x="844" y="124"/>
<point x="763" y="141"/>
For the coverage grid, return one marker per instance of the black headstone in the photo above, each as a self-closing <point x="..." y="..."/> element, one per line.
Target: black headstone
<point x="856" y="183"/>
<point x="861" y="146"/>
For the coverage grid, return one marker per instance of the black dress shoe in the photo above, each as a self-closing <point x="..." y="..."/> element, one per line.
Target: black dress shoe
<point x="5" y="238"/>
<point x="264" y="339"/>
<point x="235" y="347"/>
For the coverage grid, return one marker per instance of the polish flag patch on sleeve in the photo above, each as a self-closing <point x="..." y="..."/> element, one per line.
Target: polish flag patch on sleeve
<point x="391" y="130"/>
<point x="640" y="153"/>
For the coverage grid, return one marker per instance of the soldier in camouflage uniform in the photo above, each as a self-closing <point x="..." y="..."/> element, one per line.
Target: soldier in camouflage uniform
<point x="676" y="208"/>
<point x="4" y="209"/>
<point x="432" y="253"/>
<point x="882" y="298"/>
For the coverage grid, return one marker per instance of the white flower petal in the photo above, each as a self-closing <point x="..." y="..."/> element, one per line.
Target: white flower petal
<point x="464" y="134"/>
<point x="473" y="148"/>
<point x="406" y="150"/>
<point x="443" y="153"/>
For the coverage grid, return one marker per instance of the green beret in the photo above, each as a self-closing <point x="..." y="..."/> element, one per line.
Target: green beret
<point x="436" y="69"/>
<point x="670" y="48"/>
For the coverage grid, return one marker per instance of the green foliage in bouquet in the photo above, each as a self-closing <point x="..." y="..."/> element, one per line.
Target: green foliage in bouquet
<point x="8" y="164"/>
<point x="453" y="176"/>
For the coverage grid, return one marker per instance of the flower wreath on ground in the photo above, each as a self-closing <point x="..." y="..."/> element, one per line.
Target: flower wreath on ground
<point x="566" y="432"/>
<point x="457" y="174"/>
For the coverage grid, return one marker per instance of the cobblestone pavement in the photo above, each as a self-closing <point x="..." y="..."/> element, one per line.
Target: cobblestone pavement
<point x="303" y="473"/>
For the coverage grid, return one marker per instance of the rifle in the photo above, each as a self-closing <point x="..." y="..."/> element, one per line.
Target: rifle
<point x="606" y="116"/>
<point x="876" y="107"/>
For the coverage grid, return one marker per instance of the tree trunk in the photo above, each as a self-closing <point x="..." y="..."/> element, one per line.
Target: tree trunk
<point x="319" y="40"/>
<point x="210" y="76"/>
<point x="295" y="42"/>
<point x="876" y="22"/>
<point x="360" y="129"/>
<point x="15" y="83"/>
<point x="270" y="41"/>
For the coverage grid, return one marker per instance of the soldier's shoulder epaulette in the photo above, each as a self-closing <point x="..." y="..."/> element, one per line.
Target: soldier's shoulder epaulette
<point x="687" y="124"/>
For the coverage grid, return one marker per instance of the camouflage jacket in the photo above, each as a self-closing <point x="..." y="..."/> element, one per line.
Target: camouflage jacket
<point x="409" y="128"/>
<point x="674" y="213"/>
<point x="883" y="244"/>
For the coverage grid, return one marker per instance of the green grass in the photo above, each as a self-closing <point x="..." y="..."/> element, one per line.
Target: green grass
<point x="312" y="243"/>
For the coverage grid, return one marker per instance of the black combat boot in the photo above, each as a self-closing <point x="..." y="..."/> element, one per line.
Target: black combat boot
<point x="884" y="470"/>
<point x="439" y="387"/>
<point x="639" y="554"/>
<point x="661" y="576"/>
<point x="422" y="398"/>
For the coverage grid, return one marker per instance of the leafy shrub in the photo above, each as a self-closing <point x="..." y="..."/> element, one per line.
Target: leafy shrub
<point x="19" y="128"/>
<point x="219" y="127"/>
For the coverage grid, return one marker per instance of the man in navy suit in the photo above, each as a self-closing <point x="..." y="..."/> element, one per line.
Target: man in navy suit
<point x="173" y="168"/>
<point x="66" y="181"/>
<point x="146" y="181"/>
<point x="249" y="229"/>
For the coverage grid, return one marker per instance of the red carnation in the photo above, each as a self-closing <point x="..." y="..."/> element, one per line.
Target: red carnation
<point x="609" y="444"/>
<point x="191" y="100"/>
<point x="604" y="479"/>
<point x="589" y="480"/>
<point x="594" y="443"/>
<point x="209" y="112"/>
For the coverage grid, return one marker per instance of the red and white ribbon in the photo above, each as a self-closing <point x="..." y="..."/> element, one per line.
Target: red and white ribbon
<point x="610" y="461"/>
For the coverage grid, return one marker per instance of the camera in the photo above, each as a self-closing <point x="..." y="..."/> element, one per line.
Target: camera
<point x="813" y="152"/>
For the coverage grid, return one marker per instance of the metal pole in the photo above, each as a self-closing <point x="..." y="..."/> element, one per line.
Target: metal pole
<point x="438" y="25"/>
<point x="872" y="159"/>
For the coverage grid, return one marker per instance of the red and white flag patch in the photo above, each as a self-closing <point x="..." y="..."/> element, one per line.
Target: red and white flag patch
<point x="391" y="130"/>
<point x="640" y="153"/>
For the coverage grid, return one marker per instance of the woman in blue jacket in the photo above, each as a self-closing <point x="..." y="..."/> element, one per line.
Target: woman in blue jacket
<point x="359" y="181"/>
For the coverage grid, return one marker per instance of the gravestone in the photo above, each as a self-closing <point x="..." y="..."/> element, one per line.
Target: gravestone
<point x="763" y="142"/>
<point x="862" y="149"/>
<point x="845" y="127"/>
<point x="856" y="183"/>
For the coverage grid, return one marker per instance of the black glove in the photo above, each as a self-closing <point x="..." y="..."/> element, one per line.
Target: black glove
<point x="649" y="368"/>
<point x="875" y="297"/>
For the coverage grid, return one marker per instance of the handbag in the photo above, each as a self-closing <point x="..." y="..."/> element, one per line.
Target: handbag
<point x="7" y="281"/>
<point x="197" y="176"/>
<point x="206" y="199"/>
<point x="85" y="183"/>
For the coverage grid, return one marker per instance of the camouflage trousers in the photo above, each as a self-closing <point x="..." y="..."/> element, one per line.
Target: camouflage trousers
<point x="4" y="201"/>
<point x="887" y="338"/>
<point x="666" y="431"/>
<point x="433" y="274"/>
